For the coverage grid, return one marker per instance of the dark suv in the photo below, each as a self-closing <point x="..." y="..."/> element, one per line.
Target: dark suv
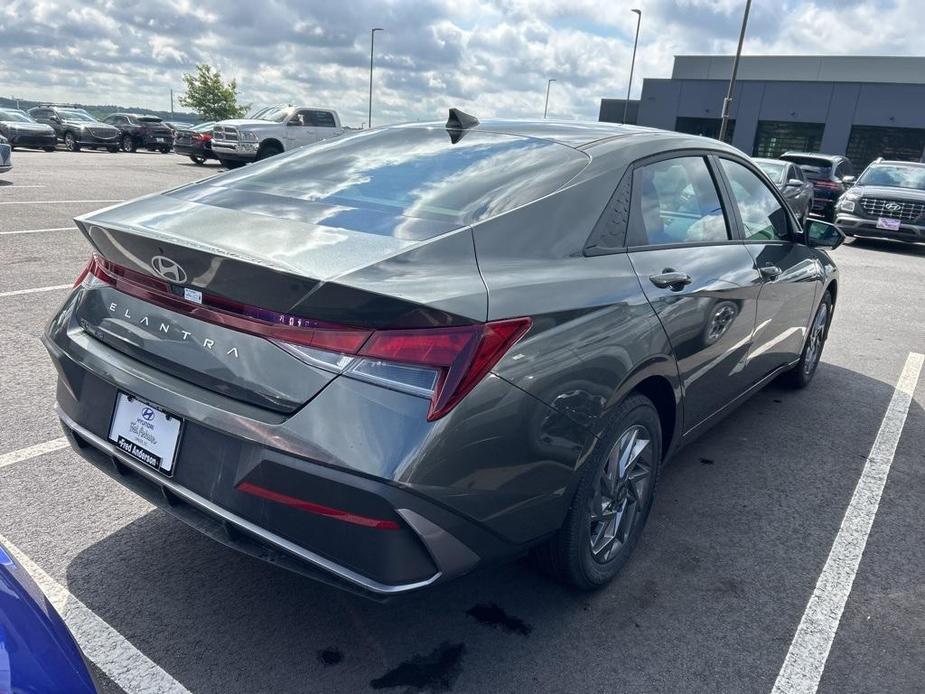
<point x="76" y="128"/>
<point x="830" y="174"/>
<point x="138" y="130"/>
<point x="888" y="201"/>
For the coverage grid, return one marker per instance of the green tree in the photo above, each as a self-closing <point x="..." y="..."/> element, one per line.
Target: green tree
<point x="210" y="96"/>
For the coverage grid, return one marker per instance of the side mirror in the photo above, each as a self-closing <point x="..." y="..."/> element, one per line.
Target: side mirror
<point x="823" y="234"/>
<point x="794" y="183"/>
<point x="54" y="119"/>
<point x="848" y="180"/>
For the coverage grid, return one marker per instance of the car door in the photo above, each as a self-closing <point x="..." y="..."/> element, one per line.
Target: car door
<point x="323" y="124"/>
<point x="790" y="272"/>
<point x="299" y="130"/>
<point x="47" y="116"/>
<point x="697" y="275"/>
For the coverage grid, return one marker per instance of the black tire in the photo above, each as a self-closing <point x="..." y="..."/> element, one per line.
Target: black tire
<point x="70" y="142"/>
<point x="49" y="149"/>
<point x="802" y="374"/>
<point x="267" y="151"/>
<point x="231" y="163"/>
<point x="114" y="149"/>
<point x="611" y="503"/>
<point x="128" y="143"/>
<point x="165" y="150"/>
<point x="198" y="160"/>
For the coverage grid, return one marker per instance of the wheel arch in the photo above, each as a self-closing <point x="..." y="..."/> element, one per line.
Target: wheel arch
<point x="270" y="142"/>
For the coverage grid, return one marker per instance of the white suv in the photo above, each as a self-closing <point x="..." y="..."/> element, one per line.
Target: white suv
<point x="271" y="130"/>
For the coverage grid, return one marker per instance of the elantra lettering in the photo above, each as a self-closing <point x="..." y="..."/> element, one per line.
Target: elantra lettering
<point x="187" y="336"/>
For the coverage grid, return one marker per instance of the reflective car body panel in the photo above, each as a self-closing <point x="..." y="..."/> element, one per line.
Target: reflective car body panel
<point x="37" y="652"/>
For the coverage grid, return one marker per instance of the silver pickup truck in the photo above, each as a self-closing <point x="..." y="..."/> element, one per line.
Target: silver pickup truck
<point x="271" y="130"/>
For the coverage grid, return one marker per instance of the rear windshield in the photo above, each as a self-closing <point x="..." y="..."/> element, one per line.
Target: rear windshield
<point x="773" y="169"/>
<point x="149" y="119"/>
<point x="415" y="172"/>
<point x="812" y="166"/>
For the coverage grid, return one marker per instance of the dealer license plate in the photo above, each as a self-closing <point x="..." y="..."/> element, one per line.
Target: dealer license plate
<point x="888" y="224"/>
<point x="145" y="432"/>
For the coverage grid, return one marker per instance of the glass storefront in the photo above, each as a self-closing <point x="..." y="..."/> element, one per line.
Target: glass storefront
<point x="867" y="142"/>
<point x="773" y="138"/>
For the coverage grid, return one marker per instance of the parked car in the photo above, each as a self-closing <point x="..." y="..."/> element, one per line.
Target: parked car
<point x="178" y="125"/>
<point x="148" y="132"/>
<point x="6" y="156"/>
<point x="37" y="652"/>
<point x="77" y="129"/>
<point x="792" y="183"/>
<point x="887" y="201"/>
<point x="21" y="130"/>
<point x="195" y="142"/>
<point x="390" y="358"/>
<point x="830" y="174"/>
<point x="272" y="130"/>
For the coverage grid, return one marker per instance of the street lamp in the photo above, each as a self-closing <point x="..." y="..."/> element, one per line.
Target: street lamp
<point x="372" y="44"/>
<point x="727" y="102"/>
<point x="632" y="63"/>
<point x="546" y="107"/>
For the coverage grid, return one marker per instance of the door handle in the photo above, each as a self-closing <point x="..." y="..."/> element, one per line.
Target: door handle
<point x="670" y="279"/>
<point x="770" y="271"/>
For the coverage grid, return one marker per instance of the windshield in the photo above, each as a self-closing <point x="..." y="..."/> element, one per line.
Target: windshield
<point x="773" y="169"/>
<point x="83" y="116"/>
<point x="894" y="176"/>
<point x="814" y="167"/>
<point x="203" y="127"/>
<point x="15" y="116"/>
<point x="407" y="172"/>
<point x="148" y="119"/>
<point x="276" y="114"/>
<point x="263" y="112"/>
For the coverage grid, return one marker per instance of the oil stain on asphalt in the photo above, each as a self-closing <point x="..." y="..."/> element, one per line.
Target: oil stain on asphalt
<point x="330" y="656"/>
<point x="493" y="616"/>
<point x="435" y="672"/>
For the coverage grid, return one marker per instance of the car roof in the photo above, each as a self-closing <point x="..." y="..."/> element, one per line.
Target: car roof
<point x="770" y="159"/>
<point x="576" y="134"/>
<point x="814" y="155"/>
<point x="897" y="162"/>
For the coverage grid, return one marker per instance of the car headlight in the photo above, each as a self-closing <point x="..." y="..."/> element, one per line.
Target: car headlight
<point x="845" y="205"/>
<point x="247" y="136"/>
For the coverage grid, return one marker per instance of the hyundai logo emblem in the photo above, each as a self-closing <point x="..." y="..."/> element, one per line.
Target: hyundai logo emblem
<point x="892" y="207"/>
<point x="147" y="414"/>
<point x="168" y="269"/>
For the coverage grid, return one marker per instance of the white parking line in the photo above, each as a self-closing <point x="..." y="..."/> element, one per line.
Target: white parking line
<point x="20" y="185"/>
<point x="35" y="231"/>
<point x="809" y="650"/>
<point x="50" y="202"/>
<point x="32" y="451"/>
<point x="112" y="653"/>
<point x="19" y="292"/>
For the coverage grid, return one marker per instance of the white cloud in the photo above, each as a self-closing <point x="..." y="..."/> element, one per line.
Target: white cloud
<point x="491" y="57"/>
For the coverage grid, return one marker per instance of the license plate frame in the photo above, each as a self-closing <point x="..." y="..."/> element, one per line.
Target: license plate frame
<point x="146" y="432"/>
<point x="888" y="223"/>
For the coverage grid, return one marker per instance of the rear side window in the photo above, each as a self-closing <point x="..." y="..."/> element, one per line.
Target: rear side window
<point x="763" y="217"/>
<point x="322" y="119"/>
<point x="675" y="201"/>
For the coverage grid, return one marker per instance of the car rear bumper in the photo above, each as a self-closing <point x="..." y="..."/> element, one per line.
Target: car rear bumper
<point x="223" y="458"/>
<point x="193" y="151"/>
<point x="852" y="225"/>
<point x="33" y="140"/>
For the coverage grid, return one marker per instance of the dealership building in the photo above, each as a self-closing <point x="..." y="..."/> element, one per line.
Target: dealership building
<point x="862" y="107"/>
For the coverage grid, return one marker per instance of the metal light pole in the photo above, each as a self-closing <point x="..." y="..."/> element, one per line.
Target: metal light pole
<point x="546" y="107"/>
<point x="372" y="44"/>
<point x="727" y="102"/>
<point x="626" y="103"/>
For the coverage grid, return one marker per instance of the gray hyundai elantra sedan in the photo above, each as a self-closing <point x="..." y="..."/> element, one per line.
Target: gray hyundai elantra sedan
<point x="389" y="358"/>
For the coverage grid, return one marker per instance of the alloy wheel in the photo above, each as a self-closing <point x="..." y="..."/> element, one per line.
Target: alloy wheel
<point x="621" y="493"/>
<point x="69" y="142"/>
<point x="816" y="338"/>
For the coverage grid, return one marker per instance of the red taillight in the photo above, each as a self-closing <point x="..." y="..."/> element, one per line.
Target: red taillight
<point x="205" y="137"/>
<point x="318" y="509"/>
<point x="464" y="355"/>
<point x="460" y="356"/>
<point x="827" y="185"/>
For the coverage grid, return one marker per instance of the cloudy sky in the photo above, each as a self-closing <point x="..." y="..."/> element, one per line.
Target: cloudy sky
<point x="491" y="57"/>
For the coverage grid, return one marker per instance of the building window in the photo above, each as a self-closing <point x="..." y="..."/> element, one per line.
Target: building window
<point x="707" y="127"/>
<point x="773" y="138"/>
<point x="867" y="142"/>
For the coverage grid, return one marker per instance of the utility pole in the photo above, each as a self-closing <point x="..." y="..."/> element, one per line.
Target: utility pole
<point x="629" y="86"/>
<point x="372" y="44"/>
<point x="171" y="104"/>
<point x="546" y="107"/>
<point x="727" y="102"/>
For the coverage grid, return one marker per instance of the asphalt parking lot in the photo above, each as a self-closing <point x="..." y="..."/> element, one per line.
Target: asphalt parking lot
<point x="742" y="527"/>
